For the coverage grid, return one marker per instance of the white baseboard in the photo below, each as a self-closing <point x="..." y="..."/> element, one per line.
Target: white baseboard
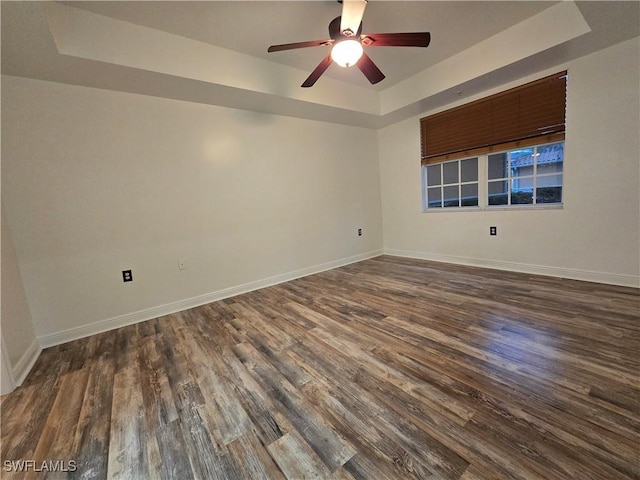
<point x="7" y="379"/>
<point x="64" y="336"/>
<point x="26" y="362"/>
<point x="575" y="274"/>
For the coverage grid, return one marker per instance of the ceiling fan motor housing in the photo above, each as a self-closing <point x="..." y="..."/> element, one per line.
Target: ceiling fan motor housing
<point x="336" y="34"/>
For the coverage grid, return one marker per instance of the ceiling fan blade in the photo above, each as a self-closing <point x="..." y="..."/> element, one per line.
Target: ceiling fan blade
<point x="417" y="39"/>
<point x="291" y="46"/>
<point x="319" y="70"/>
<point x="370" y="70"/>
<point x="352" y="12"/>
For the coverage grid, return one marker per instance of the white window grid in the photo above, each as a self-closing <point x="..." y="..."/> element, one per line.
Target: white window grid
<point x="518" y="182"/>
<point x="459" y="184"/>
<point x="483" y="182"/>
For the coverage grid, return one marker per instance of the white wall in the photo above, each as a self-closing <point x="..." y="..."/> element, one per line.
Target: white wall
<point x="596" y="236"/>
<point x="20" y="344"/>
<point x="95" y="182"/>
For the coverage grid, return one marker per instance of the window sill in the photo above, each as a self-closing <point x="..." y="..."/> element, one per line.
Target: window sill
<point x="542" y="206"/>
<point x="555" y="206"/>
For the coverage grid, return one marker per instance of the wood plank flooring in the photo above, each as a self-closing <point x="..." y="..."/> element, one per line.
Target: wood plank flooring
<point x="388" y="368"/>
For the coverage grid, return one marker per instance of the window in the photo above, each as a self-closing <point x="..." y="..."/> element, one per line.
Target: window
<point x="452" y="184"/>
<point x="499" y="151"/>
<point x="519" y="177"/>
<point x="526" y="176"/>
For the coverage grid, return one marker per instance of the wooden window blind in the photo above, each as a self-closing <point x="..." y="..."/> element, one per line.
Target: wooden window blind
<point x="530" y="114"/>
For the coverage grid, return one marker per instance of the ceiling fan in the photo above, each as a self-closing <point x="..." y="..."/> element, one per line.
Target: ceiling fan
<point x="347" y="42"/>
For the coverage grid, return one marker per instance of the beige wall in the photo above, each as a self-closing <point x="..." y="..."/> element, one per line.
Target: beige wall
<point x="596" y="236"/>
<point x="98" y="181"/>
<point x="17" y="327"/>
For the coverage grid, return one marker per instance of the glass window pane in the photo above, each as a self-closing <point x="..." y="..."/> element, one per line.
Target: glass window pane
<point x="549" y="195"/>
<point x="522" y="170"/>
<point x="451" y="196"/>
<point x="433" y="174"/>
<point x="520" y="195"/>
<point x="469" y="170"/>
<point x="498" y="193"/>
<point x="549" y="158"/>
<point x="498" y="166"/>
<point x="450" y="172"/>
<point x="550" y="181"/>
<point x="555" y="167"/>
<point x="520" y="183"/>
<point x="434" y="197"/>
<point x="469" y="195"/>
<point x="521" y="161"/>
<point x="526" y="170"/>
<point x="549" y="189"/>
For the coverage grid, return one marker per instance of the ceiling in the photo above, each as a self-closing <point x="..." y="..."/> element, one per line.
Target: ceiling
<point x="250" y="27"/>
<point x="215" y="52"/>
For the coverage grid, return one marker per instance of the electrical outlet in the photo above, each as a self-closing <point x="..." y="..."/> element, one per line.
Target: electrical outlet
<point x="182" y="265"/>
<point x="127" y="276"/>
<point x="493" y="230"/>
<point x="359" y="232"/>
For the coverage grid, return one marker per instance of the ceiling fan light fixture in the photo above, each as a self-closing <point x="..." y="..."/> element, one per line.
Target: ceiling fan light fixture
<point x="346" y="53"/>
<point x="347" y="44"/>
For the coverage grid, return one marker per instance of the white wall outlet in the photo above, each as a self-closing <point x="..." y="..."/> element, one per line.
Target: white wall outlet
<point x="182" y="265"/>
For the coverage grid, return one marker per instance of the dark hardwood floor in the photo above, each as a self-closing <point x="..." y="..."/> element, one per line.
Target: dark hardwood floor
<point x="388" y="368"/>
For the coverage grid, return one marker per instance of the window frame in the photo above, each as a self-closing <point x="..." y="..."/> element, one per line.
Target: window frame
<point x="483" y="181"/>
<point x="459" y="183"/>
<point x="534" y="177"/>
